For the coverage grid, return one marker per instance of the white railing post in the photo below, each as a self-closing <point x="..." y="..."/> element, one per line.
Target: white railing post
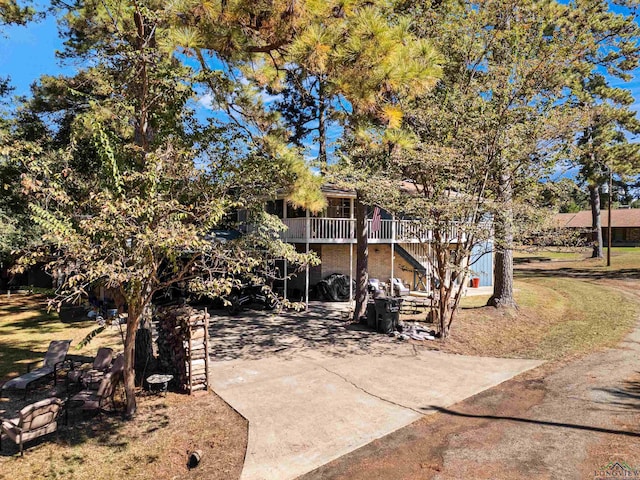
<point x="393" y="250"/>
<point x="306" y="280"/>
<point x="343" y="229"/>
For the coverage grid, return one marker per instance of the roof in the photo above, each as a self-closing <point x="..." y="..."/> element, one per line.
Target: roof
<point x="334" y="190"/>
<point x="621" y="217"/>
<point x="404" y="186"/>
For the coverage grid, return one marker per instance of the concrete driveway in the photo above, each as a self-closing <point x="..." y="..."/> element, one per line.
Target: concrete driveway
<point x="314" y="390"/>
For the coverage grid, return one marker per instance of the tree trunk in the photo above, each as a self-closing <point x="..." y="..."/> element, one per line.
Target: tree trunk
<point x="441" y="260"/>
<point x="322" y="135"/>
<point x="443" y="308"/>
<point x="129" y="361"/>
<point x="144" y="347"/>
<point x="141" y="128"/>
<point x="503" y="269"/>
<point x="596" y="223"/>
<point x="362" y="262"/>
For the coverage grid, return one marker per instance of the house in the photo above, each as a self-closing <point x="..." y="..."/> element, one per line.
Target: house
<point x="398" y="248"/>
<point x="625" y="225"/>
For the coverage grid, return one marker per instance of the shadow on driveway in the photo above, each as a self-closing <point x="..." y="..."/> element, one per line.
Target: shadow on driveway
<point x="324" y="326"/>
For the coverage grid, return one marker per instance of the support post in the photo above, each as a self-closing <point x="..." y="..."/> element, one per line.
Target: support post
<point x="393" y="251"/>
<point x="351" y="238"/>
<point x="609" y="236"/>
<point x="286" y="274"/>
<point x="350" y="272"/>
<point x="306" y="280"/>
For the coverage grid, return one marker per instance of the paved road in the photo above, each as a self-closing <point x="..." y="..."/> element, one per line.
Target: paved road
<point x="314" y="390"/>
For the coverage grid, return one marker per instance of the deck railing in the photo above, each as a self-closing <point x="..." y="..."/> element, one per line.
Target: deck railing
<point x="342" y="230"/>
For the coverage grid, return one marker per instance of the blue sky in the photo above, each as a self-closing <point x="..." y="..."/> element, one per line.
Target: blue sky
<point x="28" y="52"/>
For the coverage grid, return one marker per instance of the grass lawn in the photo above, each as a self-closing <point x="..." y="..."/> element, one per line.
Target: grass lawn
<point x="26" y="328"/>
<point x="622" y="259"/>
<point x="522" y="255"/>
<point x="565" y="309"/>
<point x="154" y="445"/>
<point x="557" y="317"/>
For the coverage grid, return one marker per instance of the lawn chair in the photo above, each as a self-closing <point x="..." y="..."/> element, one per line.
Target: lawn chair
<point x="53" y="359"/>
<point x="398" y="288"/>
<point x="35" y="420"/>
<point x="89" y="399"/>
<point x="100" y="366"/>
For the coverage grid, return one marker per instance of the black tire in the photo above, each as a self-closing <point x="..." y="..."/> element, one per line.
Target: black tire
<point x="271" y="302"/>
<point x="235" y="307"/>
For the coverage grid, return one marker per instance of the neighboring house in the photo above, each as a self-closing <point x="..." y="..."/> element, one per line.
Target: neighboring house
<point x="398" y="248"/>
<point x="625" y="225"/>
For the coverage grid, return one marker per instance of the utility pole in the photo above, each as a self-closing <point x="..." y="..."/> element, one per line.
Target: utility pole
<point x="609" y="219"/>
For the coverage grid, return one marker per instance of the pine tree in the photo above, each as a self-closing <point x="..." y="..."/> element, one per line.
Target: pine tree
<point x="14" y="226"/>
<point x="11" y="13"/>
<point x="603" y="147"/>
<point x="356" y="53"/>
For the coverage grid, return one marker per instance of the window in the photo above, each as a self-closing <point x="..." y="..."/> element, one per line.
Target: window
<point x="294" y="212"/>
<point x="275" y="207"/>
<point x="338" y="208"/>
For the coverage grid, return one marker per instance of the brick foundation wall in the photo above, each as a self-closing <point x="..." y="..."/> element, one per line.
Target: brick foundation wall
<point x="335" y="259"/>
<point x="380" y="265"/>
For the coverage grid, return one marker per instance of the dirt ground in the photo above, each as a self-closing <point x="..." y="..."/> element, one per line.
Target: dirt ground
<point x="156" y="445"/>
<point x="567" y="419"/>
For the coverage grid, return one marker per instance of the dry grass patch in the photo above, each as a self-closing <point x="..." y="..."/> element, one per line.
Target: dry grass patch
<point x="522" y="255"/>
<point x="155" y="445"/>
<point x="566" y="308"/>
<point x="624" y="261"/>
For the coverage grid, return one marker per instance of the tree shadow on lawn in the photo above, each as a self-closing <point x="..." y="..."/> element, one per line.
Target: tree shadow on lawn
<point x="255" y="334"/>
<point x="106" y="428"/>
<point x="16" y="359"/>
<point x="40" y="324"/>
<point x="25" y="340"/>
<point x="578" y="273"/>
<point x="29" y="318"/>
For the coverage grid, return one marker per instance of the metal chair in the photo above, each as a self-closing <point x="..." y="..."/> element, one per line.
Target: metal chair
<point x="53" y="359"/>
<point x="92" y="376"/>
<point x="89" y="399"/>
<point x="35" y="420"/>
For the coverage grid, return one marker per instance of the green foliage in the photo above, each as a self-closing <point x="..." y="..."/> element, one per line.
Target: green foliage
<point x="130" y="185"/>
<point x="11" y="12"/>
<point x="90" y="336"/>
<point x="564" y="195"/>
<point x="138" y="183"/>
<point x="498" y="121"/>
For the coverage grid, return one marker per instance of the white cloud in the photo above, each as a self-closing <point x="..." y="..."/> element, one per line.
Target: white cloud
<point x="267" y="99"/>
<point x="206" y="101"/>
